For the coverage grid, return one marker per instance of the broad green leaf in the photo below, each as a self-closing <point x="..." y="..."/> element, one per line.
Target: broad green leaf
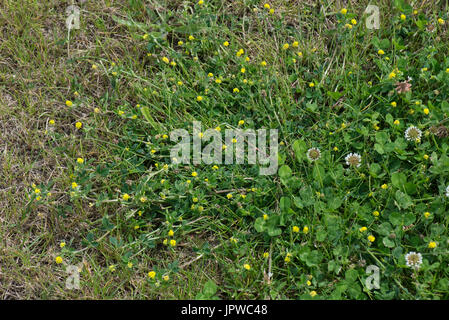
<point x="399" y="219"/>
<point x="300" y="148"/>
<point x="397" y="252"/>
<point x="398" y="179"/>
<point x="298" y="203"/>
<point x="351" y="275"/>
<point x="379" y="148"/>
<point x="210" y="288"/>
<point x="382" y="137"/>
<point x="285" y="203"/>
<point x="385" y="229"/>
<point x="388" y="242"/>
<point x="403" y="200"/>
<point x="285" y="172"/>
<point x="259" y="224"/>
<point x="335" y="203"/>
<point x="321" y="235"/>
<point x="409" y="218"/>
<point x="445" y="107"/>
<point x="274" y="232"/>
<point x="375" y="169"/>
<point x="396" y="218"/>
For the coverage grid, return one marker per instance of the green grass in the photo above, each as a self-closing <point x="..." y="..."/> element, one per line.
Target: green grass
<point x="112" y="68"/>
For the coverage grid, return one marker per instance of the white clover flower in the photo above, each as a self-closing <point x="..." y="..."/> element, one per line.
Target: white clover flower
<point x="413" y="260"/>
<point x="413" y="134"/>
<point x="353" y="159"/>
<point x="447" y="191"/>
<point x="313" y="154"/>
